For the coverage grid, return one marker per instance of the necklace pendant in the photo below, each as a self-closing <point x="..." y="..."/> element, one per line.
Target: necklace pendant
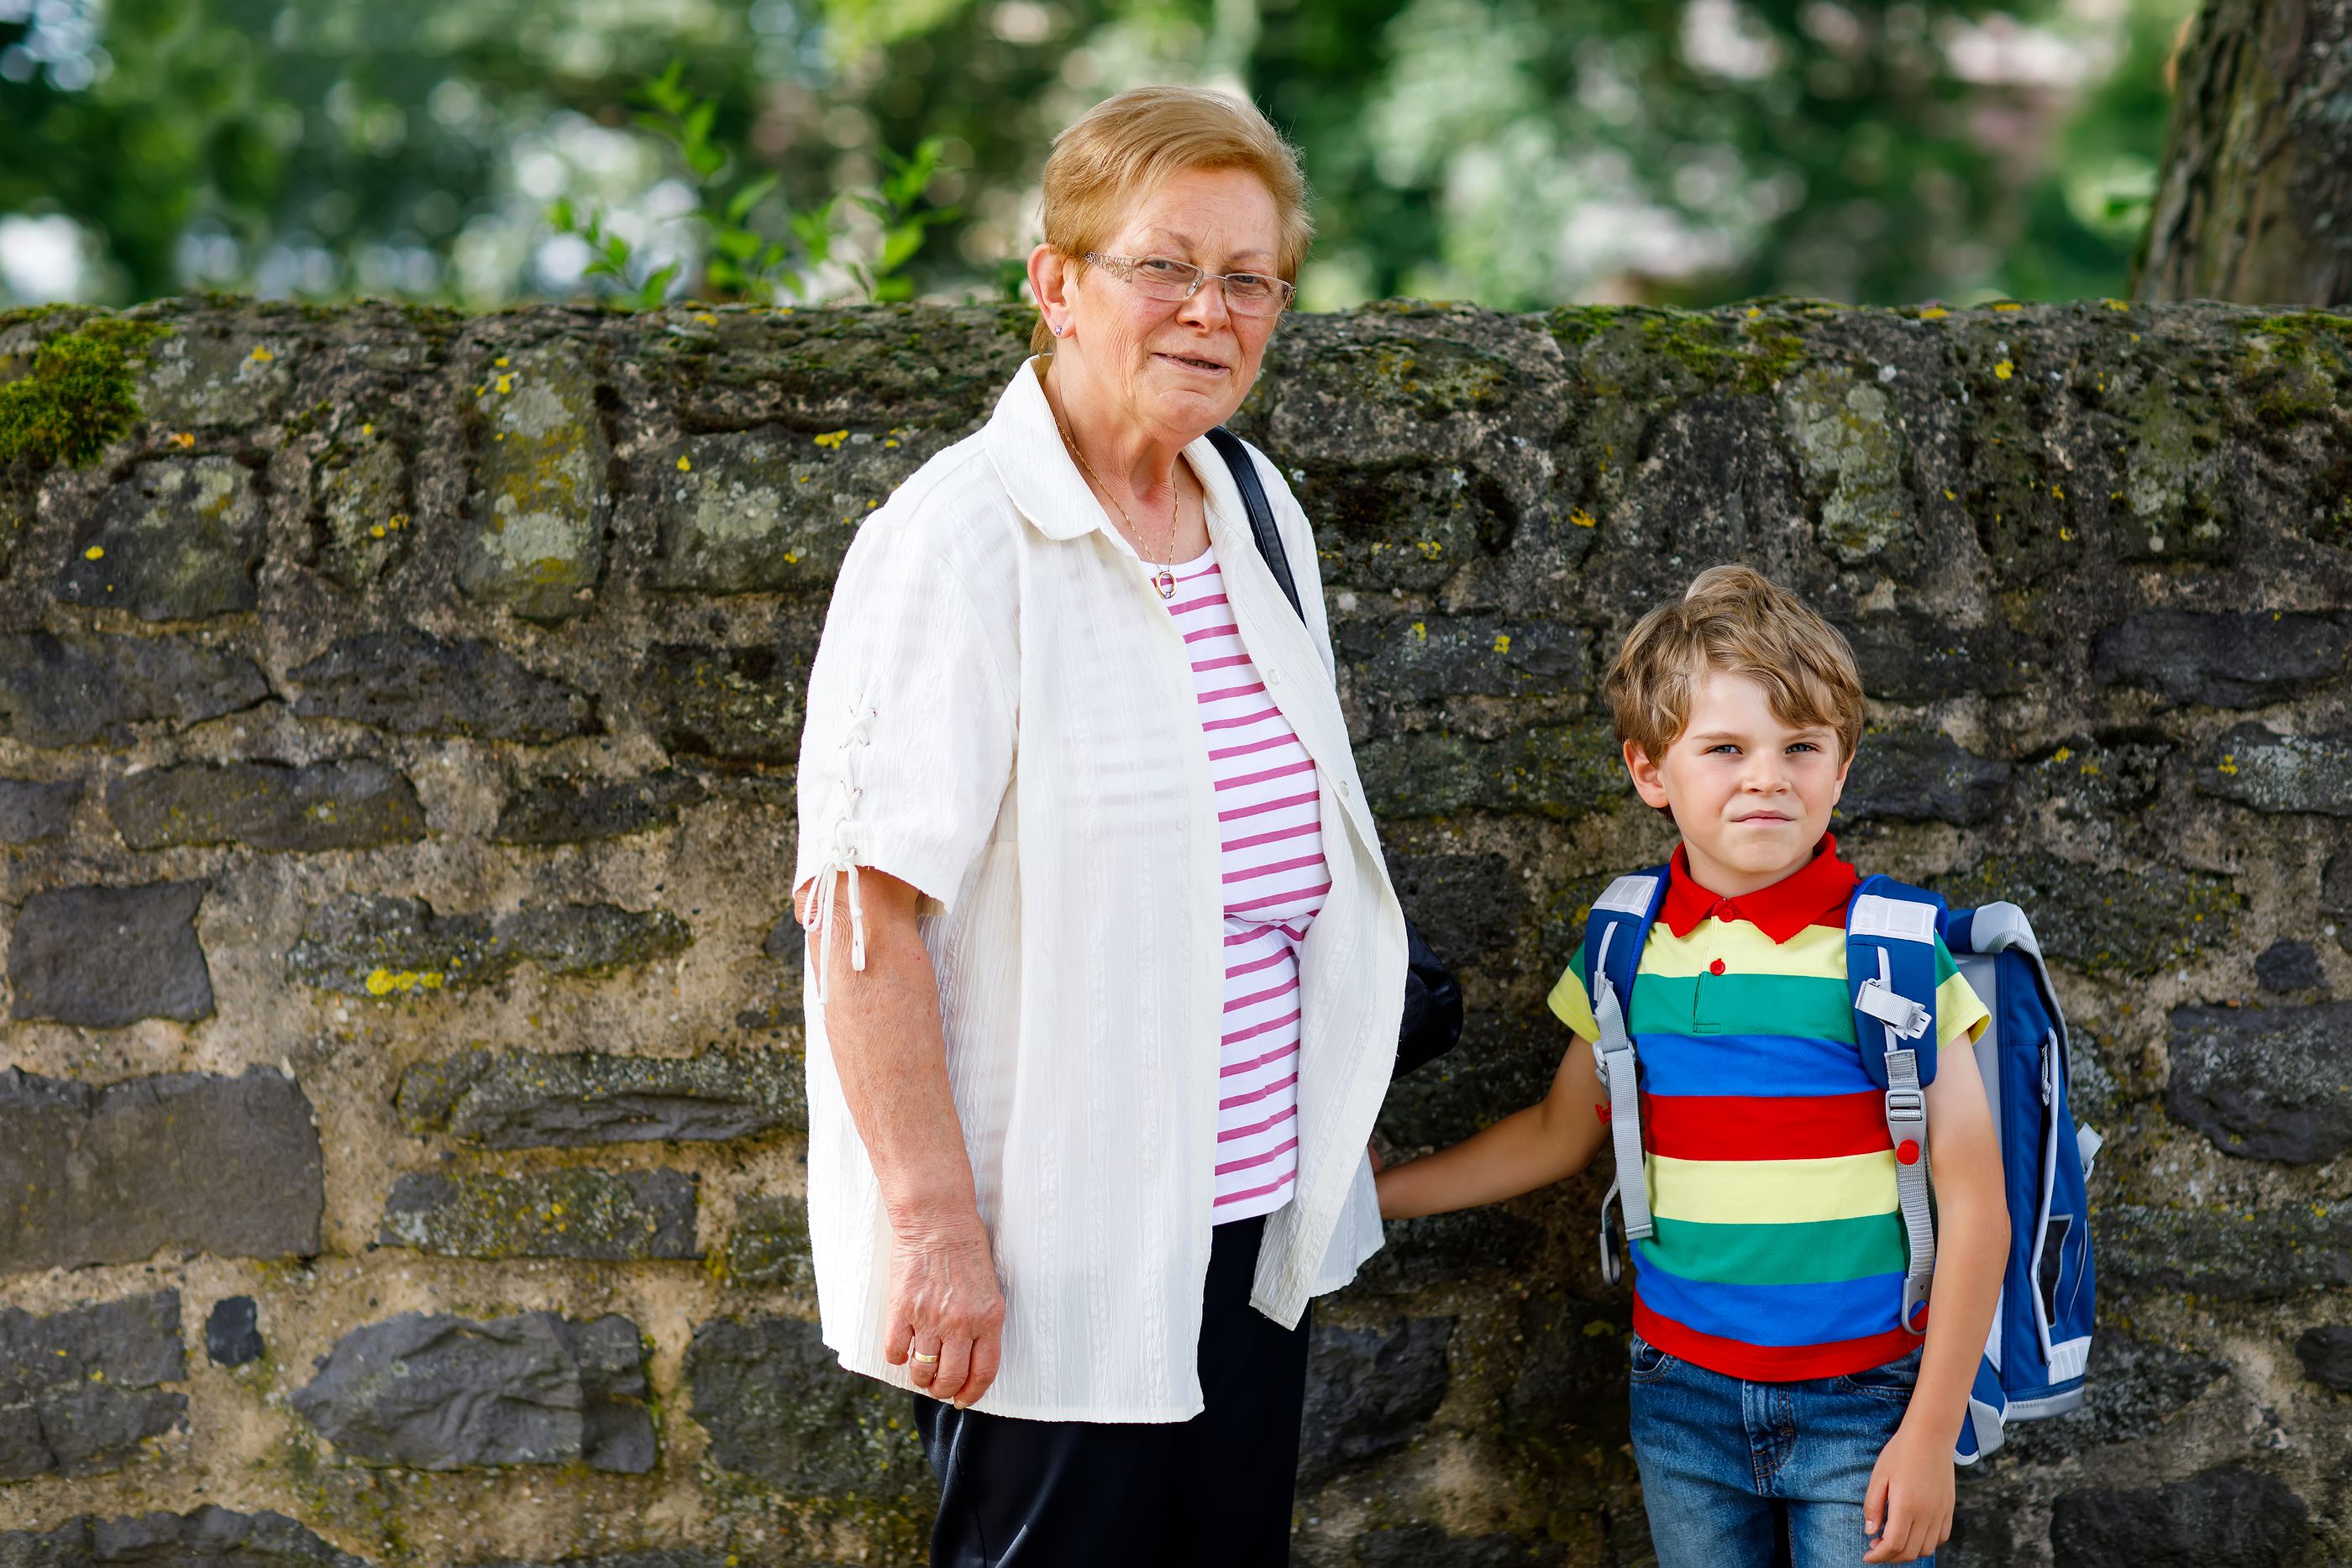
<point x="1165" y="582"/>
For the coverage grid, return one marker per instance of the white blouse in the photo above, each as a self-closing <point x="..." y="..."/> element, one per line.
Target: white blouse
<point x="1001" y="713"/>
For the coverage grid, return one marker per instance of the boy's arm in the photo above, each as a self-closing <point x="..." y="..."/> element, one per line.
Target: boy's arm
<point x="1554" y="1137"/>
<point x="1911" y="1488"/>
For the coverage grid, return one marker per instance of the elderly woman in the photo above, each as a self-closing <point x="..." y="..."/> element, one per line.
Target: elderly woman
<point x="1104" y="970"/>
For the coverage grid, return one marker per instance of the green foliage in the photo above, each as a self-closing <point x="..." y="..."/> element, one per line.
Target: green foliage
<point x="904" y="218"/>
<point x="79" y="397"/>
<point x="741" y="261"/>
<point x="1521" y="152"/>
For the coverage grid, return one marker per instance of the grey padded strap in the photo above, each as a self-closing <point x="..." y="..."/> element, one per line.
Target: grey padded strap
<point x="1614" y="1053"/>
<point x="1906" y="1121"/>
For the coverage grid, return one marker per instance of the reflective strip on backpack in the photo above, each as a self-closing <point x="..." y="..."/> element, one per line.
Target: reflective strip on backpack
<point x="1891" y="919"/>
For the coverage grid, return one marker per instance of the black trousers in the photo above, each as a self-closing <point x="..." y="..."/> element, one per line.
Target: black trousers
<point x="1215" y="1489"/>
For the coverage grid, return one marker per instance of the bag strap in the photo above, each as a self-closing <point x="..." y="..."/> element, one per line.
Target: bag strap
<point x="1890" y="970"/>
<point x="1261" y="511"/>
<point x="1614" y="935"/>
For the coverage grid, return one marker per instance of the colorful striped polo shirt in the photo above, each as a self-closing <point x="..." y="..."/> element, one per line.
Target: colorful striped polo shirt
<point x="1270" y="839"/>
<point x="1780" y="1250"/>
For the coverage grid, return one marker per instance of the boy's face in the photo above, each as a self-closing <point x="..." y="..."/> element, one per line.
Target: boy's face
<point x="1751" y="795"/>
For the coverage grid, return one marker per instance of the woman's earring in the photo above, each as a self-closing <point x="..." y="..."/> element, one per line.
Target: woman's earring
<point x="1062" y="330"/>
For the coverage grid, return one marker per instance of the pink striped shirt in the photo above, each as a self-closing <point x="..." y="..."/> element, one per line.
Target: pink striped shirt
<point x="1270" y="828"/>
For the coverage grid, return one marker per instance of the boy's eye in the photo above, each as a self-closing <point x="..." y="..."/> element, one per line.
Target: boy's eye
<point x="1722" y="745"/>
<point x="1803" y="746"/>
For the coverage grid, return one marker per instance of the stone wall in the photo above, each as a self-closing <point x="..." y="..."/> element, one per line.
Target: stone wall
<point x="401" y="1139"/>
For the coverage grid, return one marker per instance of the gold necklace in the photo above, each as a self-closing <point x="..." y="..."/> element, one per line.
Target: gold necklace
<point x="1163" y="579"/>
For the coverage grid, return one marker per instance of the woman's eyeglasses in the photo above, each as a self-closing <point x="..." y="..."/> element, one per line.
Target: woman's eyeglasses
<point x="1159" y="278"/>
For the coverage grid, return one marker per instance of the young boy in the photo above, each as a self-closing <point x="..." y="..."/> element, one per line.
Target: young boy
<point x="1771" y="1367"/>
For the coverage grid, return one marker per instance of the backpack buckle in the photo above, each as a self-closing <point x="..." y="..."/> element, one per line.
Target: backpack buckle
<point x="1906" y="1106"/>
<point x="1906" y="1018"/>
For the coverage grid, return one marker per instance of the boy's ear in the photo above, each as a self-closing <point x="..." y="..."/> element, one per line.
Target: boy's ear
<point x="1649" y="780"/>
<point x="1844" y="767"/>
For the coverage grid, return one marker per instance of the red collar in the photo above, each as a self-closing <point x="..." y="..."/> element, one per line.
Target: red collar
<point x="1816" y="894"/>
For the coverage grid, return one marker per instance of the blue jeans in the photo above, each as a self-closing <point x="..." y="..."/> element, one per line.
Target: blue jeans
<point x="1723" y="1461"/>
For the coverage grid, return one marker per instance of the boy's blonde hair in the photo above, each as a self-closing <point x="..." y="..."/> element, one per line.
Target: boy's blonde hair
<point x="1735" y="620"/>
<point x="1125" y="146"/>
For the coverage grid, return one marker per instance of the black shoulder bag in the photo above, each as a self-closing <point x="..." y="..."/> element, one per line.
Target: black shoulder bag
<point x="1432" y="998"/>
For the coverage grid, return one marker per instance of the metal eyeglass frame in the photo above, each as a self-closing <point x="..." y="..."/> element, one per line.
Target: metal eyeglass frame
<point x="1126" y="265"/>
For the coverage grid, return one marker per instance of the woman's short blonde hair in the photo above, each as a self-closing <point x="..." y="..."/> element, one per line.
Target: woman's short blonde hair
<point x="1735" y="620"/>
<point x="1127" y="145"/>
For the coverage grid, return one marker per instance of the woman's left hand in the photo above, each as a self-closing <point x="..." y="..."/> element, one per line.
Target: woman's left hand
<point x="947" y="1310"/>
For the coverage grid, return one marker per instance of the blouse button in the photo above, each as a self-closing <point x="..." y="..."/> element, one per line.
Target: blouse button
<point x="1715" y="968"/>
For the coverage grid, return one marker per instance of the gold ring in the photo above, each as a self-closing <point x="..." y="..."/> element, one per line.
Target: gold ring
<point x="926" y="1360"/>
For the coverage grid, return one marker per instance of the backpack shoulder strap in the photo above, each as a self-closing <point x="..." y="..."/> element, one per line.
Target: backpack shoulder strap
<point x="1261" y="511"/>
<point x="1890" y="970"/>
<point x="1614" y="935"/>
<point x="1891" y="929"/>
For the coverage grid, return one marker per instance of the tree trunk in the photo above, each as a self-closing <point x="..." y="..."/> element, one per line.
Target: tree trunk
<point x="2255" y="203"/>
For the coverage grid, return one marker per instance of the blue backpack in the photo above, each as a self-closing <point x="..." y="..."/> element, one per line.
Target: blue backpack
<point x="2040" y="1337"/>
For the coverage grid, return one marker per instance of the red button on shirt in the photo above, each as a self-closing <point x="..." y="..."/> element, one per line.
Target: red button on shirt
<point x="1715" y="968"/>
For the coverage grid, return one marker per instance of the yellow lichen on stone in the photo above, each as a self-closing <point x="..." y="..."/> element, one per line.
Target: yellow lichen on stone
<point x="95" y="553"/>
<point x="1582" y="519"/>
<point x="1934" y="313"/>
<point x="382" y="982"/>
<point x="2005" y="369"/>
<point x="832" y="440"/>
<point x="683" y="465"/>
<point x="1502" y="642"/>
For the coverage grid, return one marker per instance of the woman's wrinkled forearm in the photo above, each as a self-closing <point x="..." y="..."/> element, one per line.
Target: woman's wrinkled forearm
<point x="882" y="1025"/>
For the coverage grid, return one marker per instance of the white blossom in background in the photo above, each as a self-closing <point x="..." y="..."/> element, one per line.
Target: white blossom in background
<point x="59" y="42"/>
<point x="45" y="260"/>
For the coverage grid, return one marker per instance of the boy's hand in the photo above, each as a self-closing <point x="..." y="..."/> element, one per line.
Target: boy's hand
<point x="1911" y="1495"/>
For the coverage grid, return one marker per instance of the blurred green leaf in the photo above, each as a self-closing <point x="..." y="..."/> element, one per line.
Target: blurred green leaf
<point x="740" y="204"/>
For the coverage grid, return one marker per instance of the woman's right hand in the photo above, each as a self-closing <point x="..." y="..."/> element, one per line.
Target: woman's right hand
<point x="945" y="1303"/>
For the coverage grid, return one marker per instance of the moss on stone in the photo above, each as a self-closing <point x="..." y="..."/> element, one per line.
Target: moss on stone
<point x="2295" y="364"/>
<point x="1750" y="355"/>
<point x="1561" y="770"/>
<point x="2099" y="922"/>
<point x="81" y="396"/>
<point x="1573" y="325"/>
<point x="1441" y="378"/>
